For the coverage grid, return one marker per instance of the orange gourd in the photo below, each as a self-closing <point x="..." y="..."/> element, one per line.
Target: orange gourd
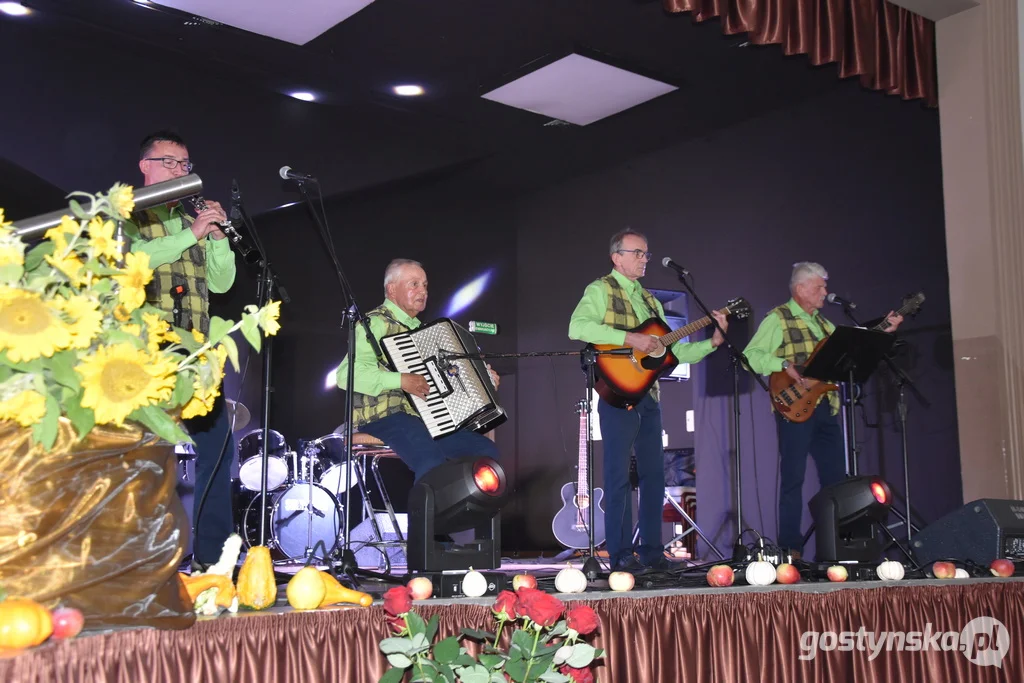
<point x="337" y="593"/>
<point x="256" y="587"/>
<point x="23" y="623"/>
<point x="197" y="584"/>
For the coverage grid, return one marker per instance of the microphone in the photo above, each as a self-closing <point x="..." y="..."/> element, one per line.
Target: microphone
<point x="834" y="298"/>
<point x="287" y="173"/>
<point x="669" y="263"/>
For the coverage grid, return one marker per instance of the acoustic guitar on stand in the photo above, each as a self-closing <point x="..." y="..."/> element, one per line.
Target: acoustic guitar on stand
<point x="796" y="403"/>
<point x="570" y="523"/>
<point x="623" y="380"/>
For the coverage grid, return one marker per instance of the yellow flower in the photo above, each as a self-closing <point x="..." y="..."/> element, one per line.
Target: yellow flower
<point x="101" y="238"/>
<point x="60" y="233"/>
<point x="267" y="318"/>
<point x="28" y="327"/>
<point x="133" y="329"/>
<point x="4" y="225"/>
<point x="201" y="402"/>
<point x="158" y="331"/>
<point x="71" y="266"/>
<point x="12" y="253"/>
<point x="133" y="280"/>
<point x="26" y="408"/>
<point x="122" y="199"/>
<point x="86" y="319"/>
<point x="118" y="379"/>
<point x="198" y="336"/>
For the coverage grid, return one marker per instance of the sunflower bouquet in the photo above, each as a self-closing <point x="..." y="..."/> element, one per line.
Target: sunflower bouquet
<point x="79" y="341"/>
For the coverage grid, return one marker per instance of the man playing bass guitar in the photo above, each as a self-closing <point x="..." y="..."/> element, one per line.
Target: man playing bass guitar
<point x="785" y="340"/>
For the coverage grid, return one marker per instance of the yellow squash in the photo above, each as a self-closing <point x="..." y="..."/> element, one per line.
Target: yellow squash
<point x="256" y="586"/>
<point x="337" y="593"/>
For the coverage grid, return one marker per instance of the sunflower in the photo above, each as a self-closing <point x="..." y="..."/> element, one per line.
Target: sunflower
<point x="158" y="331"/>
<point x="120" y="378"/>
<point x="101" y="239"/>
<point x="201" y="402"/>
<point x="4" y="224"/>
<point x="122" y="199"/>
<point x="26" y="408"/>
<point x="28" y="327"/>
<point x="267" y="318"/>
<point x="86" y="319"/>
<point x="133" y="280"/>
<point x="71" y="266"/>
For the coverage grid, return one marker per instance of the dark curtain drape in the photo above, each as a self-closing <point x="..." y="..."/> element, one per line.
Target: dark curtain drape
<point x="713" y="636"/>
<point x="890" y="48"/>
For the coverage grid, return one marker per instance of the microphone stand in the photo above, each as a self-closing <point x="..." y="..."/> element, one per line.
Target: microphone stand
<point x="739" y="359"/>
<point x="268" y="280"/>
<point x="342" y="561"/>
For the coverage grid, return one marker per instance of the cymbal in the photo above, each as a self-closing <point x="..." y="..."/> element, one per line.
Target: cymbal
<point x="239" y="414"/>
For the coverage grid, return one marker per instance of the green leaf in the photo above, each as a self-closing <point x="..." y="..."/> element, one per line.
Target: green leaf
<point x="448" y="673"/>
<point x="524" y="641"/>
<point x="77" y="209"/>
<point x="475" y="674"/>
<point x="432" y="628"/>
<point x="6" y="372"/>
<point x="34" y="366"/>
<point x="464" y="660"/>
<point x="392" y="676"/>
<point x="82" y="419"/>
<point x="187" y="340"/>
<point x="45" y="431"/>
<point x="416" y="624"/>
<point x="492" y="661"/>
<point x="251" y="331"/>
<point x="232" y="347"/>
<point x="582" y="655"/>
<point x="219" y="328"/>
<point x="62" y="365"/>
<point x="11" y="273"/>
<point x="554" y="677"/>
<point x="399" y="660"/>
<point x="419" y="643"/>
<point x="477" y="635"/>
<point x="559" y="630"/>
<point x="516" y="670"/>
<point x="498" y="677"/>
<point x="447" y="650"/>
<point x="122" y="337"/>
<point x="183" y="389"/>
<point x="160" y="423"/>
<point x="390" y="646"/>
<point x="35" y="255"/>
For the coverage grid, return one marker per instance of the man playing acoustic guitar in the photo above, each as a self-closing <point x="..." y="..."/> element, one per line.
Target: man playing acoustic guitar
<point x="609" y="308"/>
<point x="785" y="339"/>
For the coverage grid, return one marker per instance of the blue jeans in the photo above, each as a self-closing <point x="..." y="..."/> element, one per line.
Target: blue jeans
<point x="638" y="429"/>
<point x="822" y="437"/>
<point x="216" y="523"/>
<point x="408" y="437"/>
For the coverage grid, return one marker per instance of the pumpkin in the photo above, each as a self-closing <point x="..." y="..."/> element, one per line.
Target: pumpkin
<point x="570" y="580"/>
<point x="961" y="573"/>
<point x="256" y="586"/>
<point x="336" y="593"/>
<point x="760" y="573"/>
<point x="890" y="570"/>
<point x="197" y="583"/>
<point x="23" y="623"/>
<point x="474" y="584"/>
<point x="621" y="581"/>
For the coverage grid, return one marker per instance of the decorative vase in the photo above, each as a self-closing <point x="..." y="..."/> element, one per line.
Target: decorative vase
<point x="95" y="524"/>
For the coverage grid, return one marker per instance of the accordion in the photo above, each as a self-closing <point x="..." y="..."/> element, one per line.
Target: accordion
<point x="461" y="394"/>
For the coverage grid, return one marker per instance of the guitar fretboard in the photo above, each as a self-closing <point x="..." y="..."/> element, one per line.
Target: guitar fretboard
<point x="687" y="330"/>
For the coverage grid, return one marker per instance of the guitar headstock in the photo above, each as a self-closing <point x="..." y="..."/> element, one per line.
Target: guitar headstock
<point x="912" y="304"/>
<point x="581" y="406"/>
<point x="738" y="308"/>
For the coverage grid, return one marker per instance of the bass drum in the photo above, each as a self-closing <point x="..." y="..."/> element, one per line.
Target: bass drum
<point x="296" y="521"/>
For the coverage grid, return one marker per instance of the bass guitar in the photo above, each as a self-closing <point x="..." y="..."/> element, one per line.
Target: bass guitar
<point x="797" y="403"/>
<point x="570" y="523"/>
<point x="623" y="380"/>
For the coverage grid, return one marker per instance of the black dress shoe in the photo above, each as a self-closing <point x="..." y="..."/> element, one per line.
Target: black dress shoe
<point x="631" y="564"/>
<point x="660" y="564"/>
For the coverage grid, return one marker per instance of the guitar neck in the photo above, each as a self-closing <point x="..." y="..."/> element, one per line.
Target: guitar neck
<point x="885" y="321"/>
<point x="685" y="331"/>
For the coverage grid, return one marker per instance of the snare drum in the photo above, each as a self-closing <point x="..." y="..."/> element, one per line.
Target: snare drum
<point x="296" y="520"/>
<point x="250" y="460"/>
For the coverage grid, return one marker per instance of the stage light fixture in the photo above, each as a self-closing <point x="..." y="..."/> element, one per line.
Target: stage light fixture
<point x="14" y="9"/>
<point x="462" y="494"/>
<point x="304" y="96"/>
<point x="847" y="516"/>
<point x="408" y="90"/>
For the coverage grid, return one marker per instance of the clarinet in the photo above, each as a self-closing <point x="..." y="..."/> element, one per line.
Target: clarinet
<point x="249" y="255"/>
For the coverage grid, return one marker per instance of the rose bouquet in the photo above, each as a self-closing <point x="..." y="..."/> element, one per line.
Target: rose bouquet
<point x="547" y="646"/>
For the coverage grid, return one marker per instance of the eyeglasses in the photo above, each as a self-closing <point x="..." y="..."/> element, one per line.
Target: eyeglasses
<point x="172" y="163"/>
<point x="639" y="253"/>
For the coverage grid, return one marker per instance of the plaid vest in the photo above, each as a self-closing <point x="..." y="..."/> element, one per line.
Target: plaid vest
<point x="620" y="313"/>
<point x="798" y="343"/>
<point x="369" y="408"/>
<point x="189" y="270"/>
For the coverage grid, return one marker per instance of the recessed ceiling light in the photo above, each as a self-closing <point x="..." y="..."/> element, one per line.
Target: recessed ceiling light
<point x="408" y="90"/>
<point x="14" y="9"/>
<point x="304" y="96"/>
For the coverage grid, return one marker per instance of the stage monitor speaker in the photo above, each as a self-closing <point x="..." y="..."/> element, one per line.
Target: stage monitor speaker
<point x="363" y="543"/>
<point x="980" y="531"/>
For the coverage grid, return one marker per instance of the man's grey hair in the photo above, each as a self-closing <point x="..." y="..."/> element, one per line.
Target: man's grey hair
<point x="617" y="238"/>
<point x="805" y="270"/>
<point x="394" y="268"/>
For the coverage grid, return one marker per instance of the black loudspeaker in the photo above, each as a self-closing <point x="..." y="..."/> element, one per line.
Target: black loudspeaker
<point x="980" y="531"/>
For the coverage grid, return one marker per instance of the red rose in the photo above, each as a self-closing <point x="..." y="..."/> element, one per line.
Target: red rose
<point x="398" y="601"/>
<point x="577" y="675"/>
<point x="506" y="602"/>
<point x="538" y="606"/>
<point x="397" y="624"/>
<point x="582" y="619"/>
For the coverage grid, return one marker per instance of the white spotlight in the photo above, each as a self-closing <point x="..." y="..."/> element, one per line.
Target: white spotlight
<point x="14" y="9"/>
<point x="408" y="90"/>
<point x="304" y="96"/>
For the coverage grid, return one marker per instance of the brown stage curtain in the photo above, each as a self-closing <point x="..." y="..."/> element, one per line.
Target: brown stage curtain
<point x="888" y="47"/>
<point x="726" y="636"/>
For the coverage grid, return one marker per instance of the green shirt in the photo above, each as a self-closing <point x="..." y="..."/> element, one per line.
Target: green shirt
<point x="768" y="339"/>
<point x="220" y="260"/>
<point x="587" y="321"/>
<point x="370" y="378"/>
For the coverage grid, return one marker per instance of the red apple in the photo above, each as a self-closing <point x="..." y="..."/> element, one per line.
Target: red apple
<point x="67" y="622"/>
<point x="944" y="570"/>
<point x="837" y="573"/>
<point x="1001" y="567"/>
<point x="720" y="575"/>
<point x="523" y="581"/>
<point x="421" y="587"/>
<point x="787" y="573"/>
